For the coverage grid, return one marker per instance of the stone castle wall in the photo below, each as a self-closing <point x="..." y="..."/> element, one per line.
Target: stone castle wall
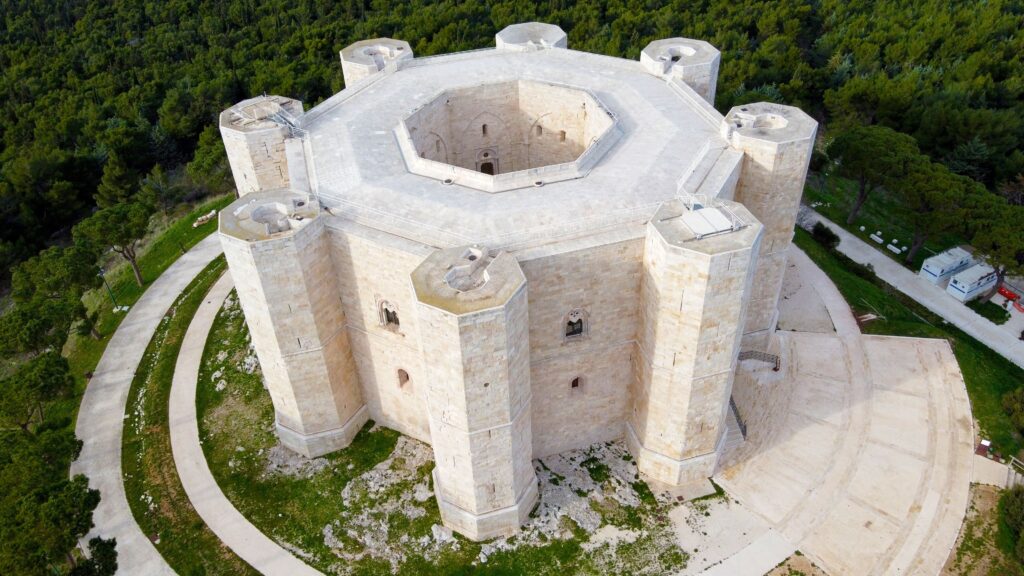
<point x="604" y="282"/>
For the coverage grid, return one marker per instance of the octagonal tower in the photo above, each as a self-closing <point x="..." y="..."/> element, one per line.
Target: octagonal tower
<point x="367" y="57"/>
<point x="776" y="142"/>
<point x="693" y="61"/>
<point x="472" y="310"/>
<point x="699" y="258"/>
<point x="256" y="135"/>
<point x="274" y="242"/>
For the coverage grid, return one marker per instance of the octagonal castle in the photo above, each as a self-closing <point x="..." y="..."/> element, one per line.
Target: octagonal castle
<point x="510" y="253"/>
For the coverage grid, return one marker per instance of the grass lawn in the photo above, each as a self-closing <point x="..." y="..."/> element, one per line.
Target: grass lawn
<point x="988" y="309"/>
<point x="985" y="546"/>
<point x="987" y="374"/>
<point x="882" y="212"/>
<point x="369" y="509"/>
<point x="152" y="487"/>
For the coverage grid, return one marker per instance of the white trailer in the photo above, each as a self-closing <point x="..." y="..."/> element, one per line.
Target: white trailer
<point x="942" y="266"/>
<point x="971" y="283"/>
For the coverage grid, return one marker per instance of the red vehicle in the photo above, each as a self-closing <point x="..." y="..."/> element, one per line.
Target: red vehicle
<point x="1009" y="294"/>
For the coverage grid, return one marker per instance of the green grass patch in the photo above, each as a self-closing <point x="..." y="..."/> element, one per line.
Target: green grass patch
<point x="153" y="489"/>
<point x="985" y="538"/>
<point x="882" y="212"/>
<point x="988" y="375"/>
<point x="718" y="493"/>
<point x="598" y="470"/>
<point x="990" y="310"/>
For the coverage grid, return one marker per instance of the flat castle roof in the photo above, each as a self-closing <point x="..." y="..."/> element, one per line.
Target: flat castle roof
<point x="668" y="134"/>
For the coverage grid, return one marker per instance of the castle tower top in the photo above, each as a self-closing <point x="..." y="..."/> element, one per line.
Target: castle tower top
<point x="467" y="279"/>
<point x="261" y="113"/>
<point x="268" y="215"/>
<point x="692" y="61"/>
<point x="530" y="36"/>
<point x="770" y="123"/>
<point x="366" y="57"/>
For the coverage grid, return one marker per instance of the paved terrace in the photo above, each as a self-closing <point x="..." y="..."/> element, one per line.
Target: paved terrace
<point x="866" y="466"/>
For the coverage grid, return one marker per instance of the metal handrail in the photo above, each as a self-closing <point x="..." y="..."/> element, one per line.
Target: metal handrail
<point x="772" y="359"/>
<point x="739" y="419"/>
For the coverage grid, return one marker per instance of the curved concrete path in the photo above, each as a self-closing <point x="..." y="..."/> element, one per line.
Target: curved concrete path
<point x="866" y="465"/>
<point x="927" y="294"/>
<point x="101" y="416"/>
<point x="244" y="539"/>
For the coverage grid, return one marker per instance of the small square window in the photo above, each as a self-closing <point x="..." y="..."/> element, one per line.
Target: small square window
<point x="576" y="324"/>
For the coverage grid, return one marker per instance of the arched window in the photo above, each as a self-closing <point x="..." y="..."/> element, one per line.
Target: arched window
<point x="561" y="136"/>
<point x="540" y="130"/>
<point x="487" y="168"/>
<point x="389" y="315"/>
<point x="403" y="378"/>
<point x="576" y="324"/>
<point x="483" y="129"/>
<point x="437" y="146"/>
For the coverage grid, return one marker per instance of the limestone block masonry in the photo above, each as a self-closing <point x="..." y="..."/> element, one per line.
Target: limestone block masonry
<point x="776" y="142"/>
<point x="512" y="252"/>
<point x="471" y="306"/>
<point x="274" y="243"/>
<point x="255" y="133"/>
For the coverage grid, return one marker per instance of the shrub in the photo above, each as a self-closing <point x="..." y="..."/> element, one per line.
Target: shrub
<point x="825" y="236"/>
<point x="1011" y="508"/>
<point x="819" y="160"/>
<point x="1013" y="404"/>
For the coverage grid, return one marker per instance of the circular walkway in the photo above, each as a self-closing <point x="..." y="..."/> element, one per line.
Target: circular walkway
<point x="244" y="539"/>
<point x="101" y="415"/>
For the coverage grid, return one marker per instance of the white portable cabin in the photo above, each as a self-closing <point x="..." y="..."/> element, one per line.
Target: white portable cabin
<point x="945" y="264"/>
<point x="971" y="283"/>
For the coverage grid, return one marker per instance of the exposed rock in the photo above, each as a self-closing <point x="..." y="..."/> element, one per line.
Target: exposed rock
<point x="281" y="460"/>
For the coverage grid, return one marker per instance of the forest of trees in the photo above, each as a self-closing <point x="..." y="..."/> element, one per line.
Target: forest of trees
<point x="95" y="94"/>
<point x="110" y="110"/>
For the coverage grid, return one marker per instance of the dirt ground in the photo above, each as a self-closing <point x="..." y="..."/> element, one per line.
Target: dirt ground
<point x="797" y="565"/>
<point x="975" y="553"/>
